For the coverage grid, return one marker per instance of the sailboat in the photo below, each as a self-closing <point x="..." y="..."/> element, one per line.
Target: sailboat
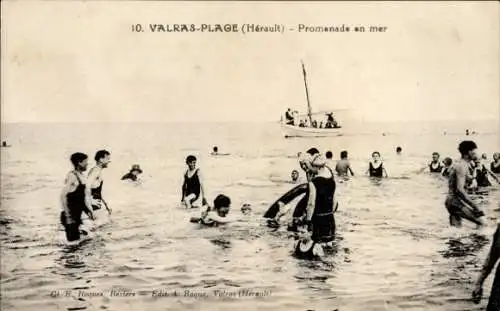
<point x="323" y="124"/>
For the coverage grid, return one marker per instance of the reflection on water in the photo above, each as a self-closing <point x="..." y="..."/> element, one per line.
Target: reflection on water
<point x="394" y="249"/>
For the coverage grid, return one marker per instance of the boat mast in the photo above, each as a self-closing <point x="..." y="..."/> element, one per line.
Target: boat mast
<point x="309" y="113"/>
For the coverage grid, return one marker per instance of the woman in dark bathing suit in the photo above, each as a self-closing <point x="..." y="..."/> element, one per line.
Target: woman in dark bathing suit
<point x="376" y="166"/>
<point x="435" y="166"/>
<point x="493" y="257"/>
<point x="320" y="205"/>
<point x="192" y="186"/>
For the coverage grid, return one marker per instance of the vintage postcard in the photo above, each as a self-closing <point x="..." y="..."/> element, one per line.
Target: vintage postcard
<point x="265" y="155"/>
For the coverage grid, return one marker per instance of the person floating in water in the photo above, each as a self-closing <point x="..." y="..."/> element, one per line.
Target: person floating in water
<point x="491" y="260"/>
<point x="133" y="174"/>
<point x="215" y="152"/>
<point x="447" y="162"/>
<point x="435" y="165"/>
<point x="95" y="180"/>
<point x="376" y="166"/>
<point x="458" y="203"/>
<point x="74" y="200"/>
<point x="495" y="165"/>
<point x="399" y="150"/>
<point x="343" y="167"/>
<point x="216" y="215"/>
<point x="192" y="187"/>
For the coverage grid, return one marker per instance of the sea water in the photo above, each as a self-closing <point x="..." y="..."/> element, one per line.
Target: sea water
<point x="394" y="248"/>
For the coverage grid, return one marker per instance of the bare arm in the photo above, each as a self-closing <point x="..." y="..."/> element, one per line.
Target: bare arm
<point x="202" y="187"/>
<point x="492" y="258"/>
<point x="492" y="175"/>
<point x="183" y="187"/>
<point x="311" y="202"/>
<point x="213" y="216"/>
<point x="350" y="170"/>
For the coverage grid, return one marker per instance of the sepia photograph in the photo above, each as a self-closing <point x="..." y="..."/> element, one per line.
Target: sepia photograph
<point x="250" y="155"/>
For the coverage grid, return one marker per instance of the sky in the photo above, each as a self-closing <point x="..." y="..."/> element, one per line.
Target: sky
<point x="80" y="62"/>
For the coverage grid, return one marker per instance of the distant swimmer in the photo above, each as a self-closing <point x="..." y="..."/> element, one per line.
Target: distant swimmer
<point x="74" y="200"/>
<point x="306" y="247"/>
<point x="491" y="260"/>
<point x="216" y="215"/>
<point x="215" y="152"/>
<point x="495" y="165"/>
<point x="343" y="167"/>
<point x="133" y="174"/>
<point x="95" y="180"/>
<point x="447" y="162"/>
<point x="376" y="166"/>
<point x="458" y="203"/>
<point x="4" y="144"/>
<point x="193" y="186"/>
<point x="435" y="165"/>
<point x="467" y="132"/>
<point x="399" y="150"/>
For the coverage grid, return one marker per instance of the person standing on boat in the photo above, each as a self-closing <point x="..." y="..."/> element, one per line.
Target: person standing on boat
<point x="289" y="117"/>
<point x="376" y="166"/>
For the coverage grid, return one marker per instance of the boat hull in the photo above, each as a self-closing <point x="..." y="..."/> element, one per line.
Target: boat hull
<point x="295" y="131"/>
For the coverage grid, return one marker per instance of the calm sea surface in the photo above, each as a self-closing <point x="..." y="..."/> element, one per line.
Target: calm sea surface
<point x="395" y="250"/>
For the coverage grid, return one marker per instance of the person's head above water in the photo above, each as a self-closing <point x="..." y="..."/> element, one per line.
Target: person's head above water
<point x="399" y="150"/>
<point x="295" y="175"/>
<point x="447" y="161"/>
<point x="222" y="204"/>
<point x="484" y="156"/>
<point x="136" y="169"/>
<point x="191" y="161"/>
<point x="215" y="149"/>
<point x="435" y="157"/>
<point x="496" y="156"/>
<point x="329" y="155"/>
<point x="79" y="161"/>
<point x="468" y="149"/>
<point x="343" y="155"/>
<point x="4" y="143"/>
<point x="376" y="156"/>
<point x="102" y="158"/>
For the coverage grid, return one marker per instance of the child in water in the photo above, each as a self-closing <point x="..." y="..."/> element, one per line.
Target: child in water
<point x="216" y="215"/>
<point x="447" y="166"/>
<point x="306" y="247"/>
